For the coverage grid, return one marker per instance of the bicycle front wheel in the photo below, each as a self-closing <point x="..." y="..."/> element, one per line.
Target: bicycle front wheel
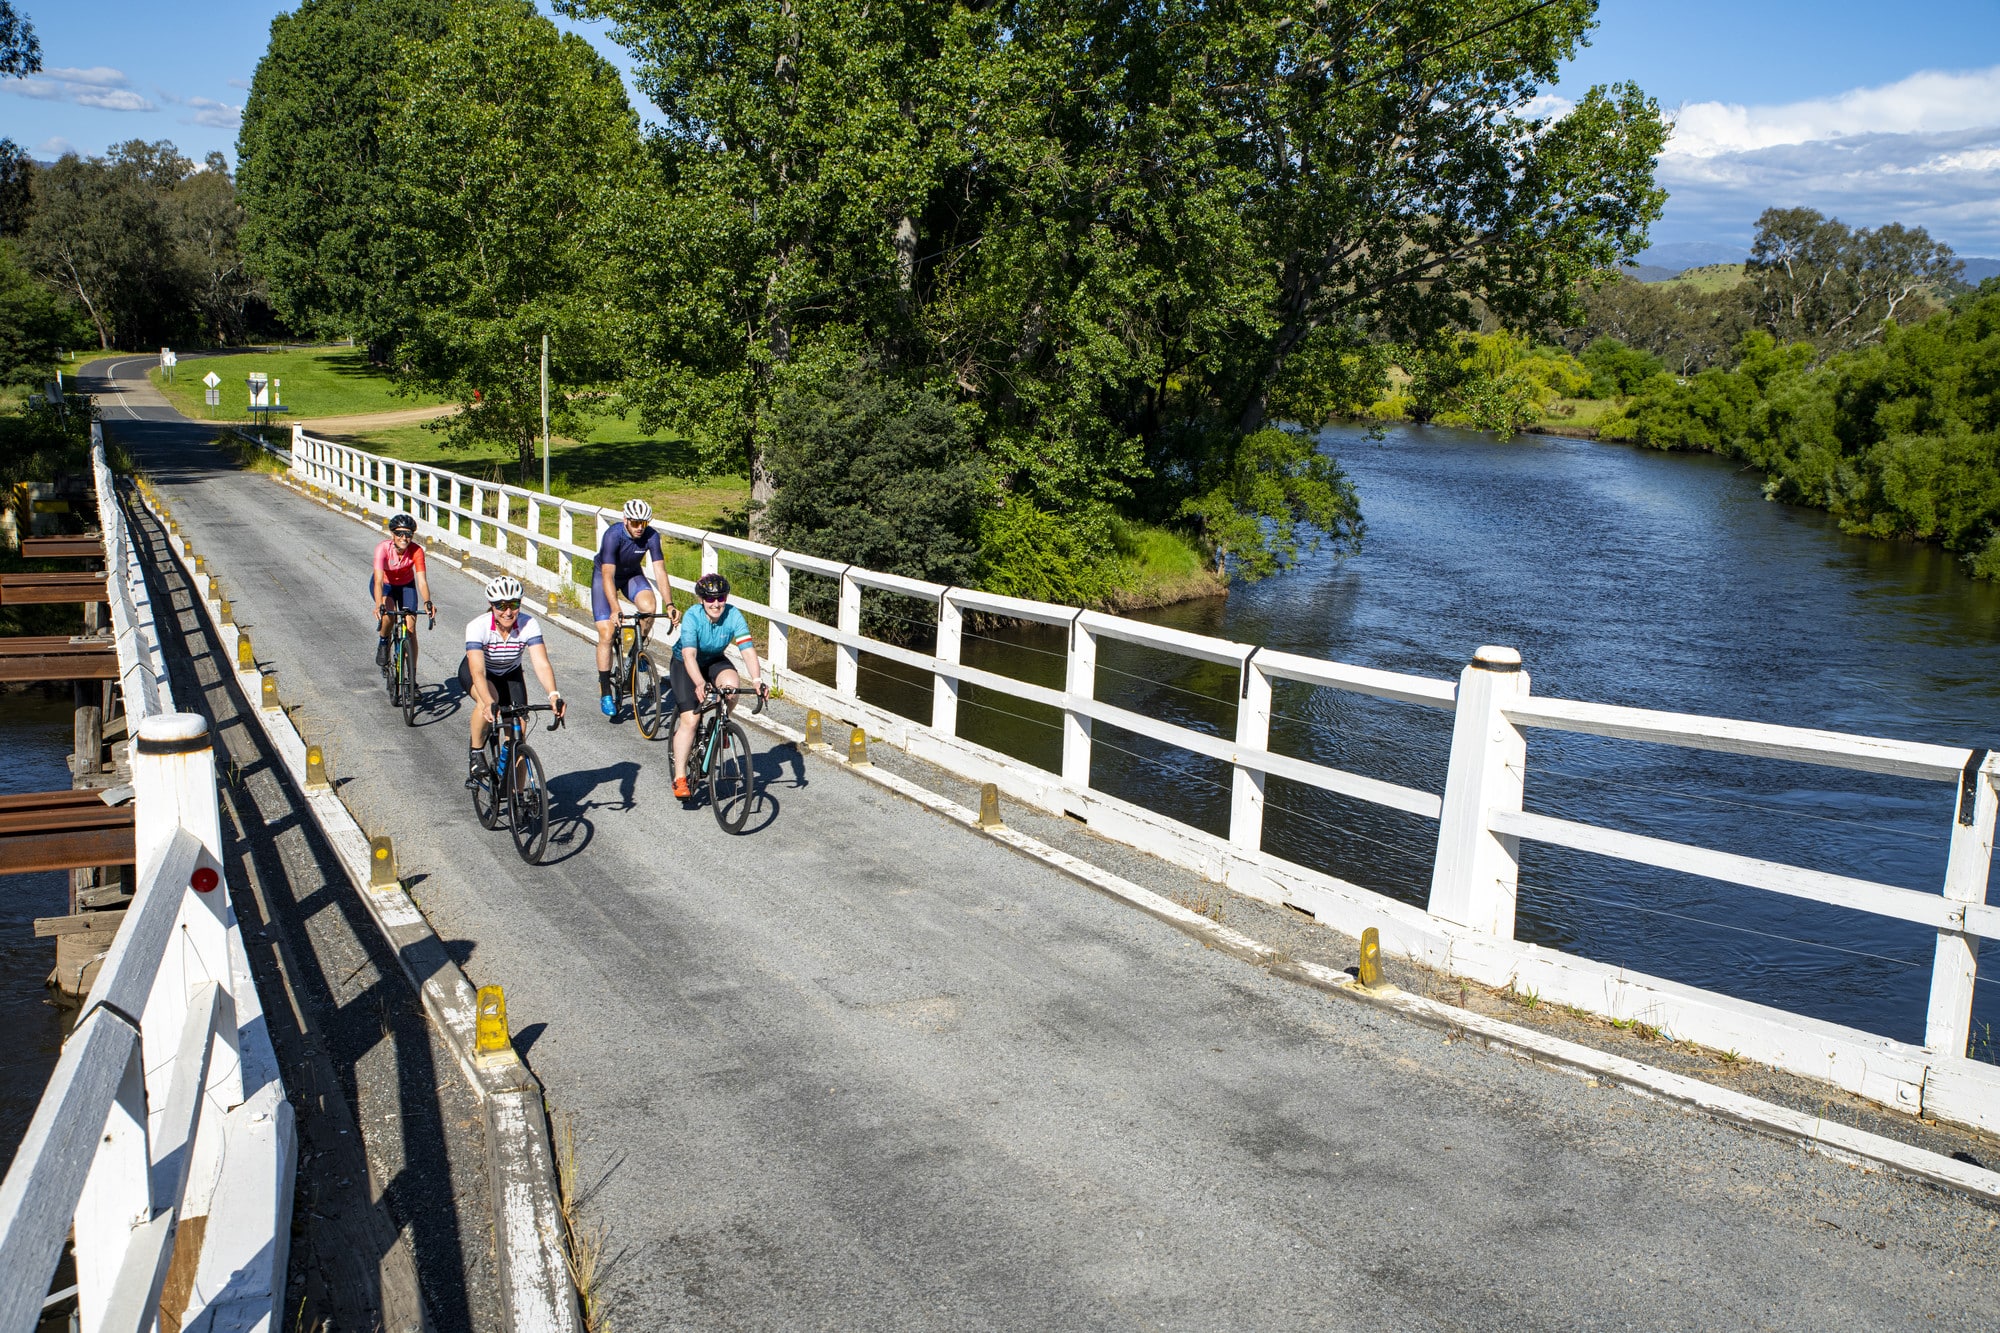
<point x="650" y="700"/>
<point x="392" y="675"/>
<point x="486" y="792"/>
<point x="732" y="780"/>
<point x="406" y="680"/>
<point x="528" y="802"/>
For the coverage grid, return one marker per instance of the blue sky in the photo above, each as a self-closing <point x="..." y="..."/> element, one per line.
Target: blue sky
<point x="1873" y="112"/>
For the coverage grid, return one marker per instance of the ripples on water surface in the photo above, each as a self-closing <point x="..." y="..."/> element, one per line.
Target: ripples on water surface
<point x="1623" y="576"/>
<point x="35" y="736"/>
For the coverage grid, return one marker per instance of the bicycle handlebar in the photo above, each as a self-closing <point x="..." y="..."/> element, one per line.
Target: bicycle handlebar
<point x="716" y="693"/>
<point x="522" y="710"/>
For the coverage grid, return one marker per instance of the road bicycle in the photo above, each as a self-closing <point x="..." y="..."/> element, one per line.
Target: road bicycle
<point x="510" y="779"/>
<point x="721" y="758"/>
<point x="401" y="672"/>
<point x="635" y="673"/>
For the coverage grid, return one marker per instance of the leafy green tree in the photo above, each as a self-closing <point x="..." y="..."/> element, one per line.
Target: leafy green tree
<point x="17" y="171"/>
<point x="1617" y="371"/>
<point x="1491" y="381"/>
<point x="508" y="145"/>
<point x="98" y="232"/>
<point x="20" y="49"/>
<point x="206" y="219"/>
<point x="1125" y="238"/>
<point x="35" y="326"/>
<point x="310" y="169"/>
<point x="1817" y="280"/>
<point x="876" y="473"/>
<point x="1690" y="329"/>
<point x="1284" y="496"/>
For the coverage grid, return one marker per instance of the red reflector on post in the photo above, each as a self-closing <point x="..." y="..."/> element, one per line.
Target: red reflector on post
<point x="204" y="879"/>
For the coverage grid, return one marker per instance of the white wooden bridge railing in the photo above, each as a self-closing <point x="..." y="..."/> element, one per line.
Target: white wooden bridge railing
<point x="163" y="1141"/>
<point x="1468" y="928"/>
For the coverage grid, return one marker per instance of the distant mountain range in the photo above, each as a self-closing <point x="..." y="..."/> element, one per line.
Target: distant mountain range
<point x="1669" y="261"/>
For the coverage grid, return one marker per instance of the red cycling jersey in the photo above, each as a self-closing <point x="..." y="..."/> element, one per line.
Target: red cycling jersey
<point x="399" y="568"/>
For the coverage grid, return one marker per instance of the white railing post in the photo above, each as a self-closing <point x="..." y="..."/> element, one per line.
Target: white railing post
<point x="566" y="538"/>
<point x="944" y="689"/>
<point x="778" y="648"/>
<point x="711" y="559"/>
<point x="478" y="513"/>
<point x="1253" y="732"/>
<point x="173" y="785"/>
<point x="534" y="526"/>
<point x="1948" y="1028"/>
<point x="117" y="1196"/>
<point x="1079" y="681"/>
<point x="1476" y="877"/>
<point x="503" y="511"/>
<point x="847" y="665"/>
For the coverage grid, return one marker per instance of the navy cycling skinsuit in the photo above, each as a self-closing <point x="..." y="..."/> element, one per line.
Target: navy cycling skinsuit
<point x="627" y="558"/>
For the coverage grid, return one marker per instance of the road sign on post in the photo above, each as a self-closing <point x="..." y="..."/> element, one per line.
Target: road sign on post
<point x="211" y="379"/>
<point x="214" y="383"/>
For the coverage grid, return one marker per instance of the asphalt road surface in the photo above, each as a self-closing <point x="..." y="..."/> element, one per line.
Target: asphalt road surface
<point x="864" y="1069"/>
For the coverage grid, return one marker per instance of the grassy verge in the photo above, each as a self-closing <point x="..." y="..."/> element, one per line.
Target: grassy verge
<point x="611" y="465"/>
<point x="313" y="382"/>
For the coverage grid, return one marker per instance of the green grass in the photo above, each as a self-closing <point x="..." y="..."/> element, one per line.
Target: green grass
<point x="1710" y="277"/>
<point x="609" y="466"/>
<point x="313" y="382"/>
<point x="1581" y="411"/>
<point x="1158" y="566"/>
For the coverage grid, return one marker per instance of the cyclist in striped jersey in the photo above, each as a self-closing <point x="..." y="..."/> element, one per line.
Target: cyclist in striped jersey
<point x="495" y="646"/>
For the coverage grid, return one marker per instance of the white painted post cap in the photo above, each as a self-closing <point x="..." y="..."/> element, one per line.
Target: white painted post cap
<point x="1495" y="658"/>
<point x="172" y="731"/>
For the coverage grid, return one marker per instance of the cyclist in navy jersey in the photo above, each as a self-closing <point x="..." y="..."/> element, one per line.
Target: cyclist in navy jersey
<point x="620" y="572"/>
<point x="707" y="630"/>
<point x="496" y="644"/>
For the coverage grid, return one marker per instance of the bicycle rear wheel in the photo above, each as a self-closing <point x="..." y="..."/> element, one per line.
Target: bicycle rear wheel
<point x="528" y="802"/>
<point x="651" y="701"/>
<point x="732" y="779"/>
<point x="486" y="792"/>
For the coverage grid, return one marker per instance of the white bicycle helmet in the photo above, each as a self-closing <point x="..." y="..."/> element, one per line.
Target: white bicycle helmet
<point x="506" y="588"/>
<point x="638" y="511"/>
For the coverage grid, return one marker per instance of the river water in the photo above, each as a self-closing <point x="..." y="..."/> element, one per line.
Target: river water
<point x="35" y="736"/>
<point x="1624" y="576"/>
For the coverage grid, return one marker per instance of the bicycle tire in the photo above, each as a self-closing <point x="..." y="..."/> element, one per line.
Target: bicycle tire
<point x="732" y="776"/>
<point x="528" y="807"/>
<point x="651" y="702"/>
<point x="391" y="671"/>
<point x="406" y="677"/>
<point x="486" y="792"/>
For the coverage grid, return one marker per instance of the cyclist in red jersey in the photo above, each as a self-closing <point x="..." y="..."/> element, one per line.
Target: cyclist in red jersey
<point x="399" y="585"/>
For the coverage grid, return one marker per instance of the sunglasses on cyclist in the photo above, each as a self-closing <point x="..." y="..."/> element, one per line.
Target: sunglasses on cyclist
<point x="714" y="601"/>
<point x="514" y="605"/>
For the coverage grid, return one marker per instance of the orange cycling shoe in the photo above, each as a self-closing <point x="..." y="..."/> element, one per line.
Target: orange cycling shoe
<point x="682" y="790"/>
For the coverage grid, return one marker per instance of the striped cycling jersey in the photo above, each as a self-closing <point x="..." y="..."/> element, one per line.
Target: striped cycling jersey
<point x="503" y="651"/>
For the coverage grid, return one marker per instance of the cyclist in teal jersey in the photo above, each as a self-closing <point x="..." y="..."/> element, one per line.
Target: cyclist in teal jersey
<point x="700" y="656"/>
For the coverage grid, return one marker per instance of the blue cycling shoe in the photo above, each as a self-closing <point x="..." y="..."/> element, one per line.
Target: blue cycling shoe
<point x="609" y="706"/>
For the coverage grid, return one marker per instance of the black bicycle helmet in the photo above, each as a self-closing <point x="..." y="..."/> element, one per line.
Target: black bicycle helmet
<point x="403" y="523"/>
<point x="711" y="586"/>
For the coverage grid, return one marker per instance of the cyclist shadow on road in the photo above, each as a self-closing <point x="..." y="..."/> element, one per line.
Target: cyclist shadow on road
<point x="572" y="796"/>
<point x="439" y="701"/>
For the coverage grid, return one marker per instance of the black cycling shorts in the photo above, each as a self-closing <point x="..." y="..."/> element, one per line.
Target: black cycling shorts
<point x="686" y="697"/>
<point x="510" y="690"/>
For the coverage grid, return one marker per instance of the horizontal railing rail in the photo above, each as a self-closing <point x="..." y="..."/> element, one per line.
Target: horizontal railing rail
<point x="1468" y="925"/>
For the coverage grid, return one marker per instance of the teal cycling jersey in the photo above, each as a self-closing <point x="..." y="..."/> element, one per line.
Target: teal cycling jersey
<point x="708" y="637"/>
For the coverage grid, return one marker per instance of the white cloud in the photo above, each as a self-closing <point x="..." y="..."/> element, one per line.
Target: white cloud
<point x="1924" y="151"/>
<point x="1927" y="103"/>
<point x="244" y="84"/>
<point x="100" y="86"/>
<point x="100" y="76"/>
<point x="54" y="146"/>
<point x="217" y="115"/>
